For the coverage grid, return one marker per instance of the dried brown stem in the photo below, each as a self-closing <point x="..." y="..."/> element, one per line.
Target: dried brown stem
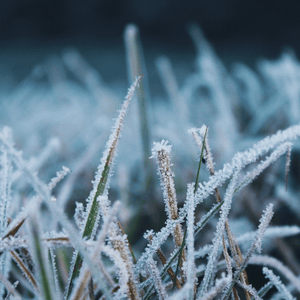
<point x="27" y="272"/>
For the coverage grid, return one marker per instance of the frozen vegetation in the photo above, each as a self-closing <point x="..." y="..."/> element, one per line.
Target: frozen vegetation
<point x="222" y="223"/>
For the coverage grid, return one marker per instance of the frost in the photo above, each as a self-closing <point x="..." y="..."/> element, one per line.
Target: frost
<point x="220" y="284"/>
<point x="279" y="285"/>
<point x="191" y="269"/>
<point x="269" y="261"/>
<point x="271" y="232"/>
<point x="162" y="294"/>
<point x="217" y="240"/>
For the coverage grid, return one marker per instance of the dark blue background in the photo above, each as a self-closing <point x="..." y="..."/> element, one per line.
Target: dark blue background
<point x="264" y="21"/>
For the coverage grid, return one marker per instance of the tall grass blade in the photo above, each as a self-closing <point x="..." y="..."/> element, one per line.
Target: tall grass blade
<point x="100" y="183"/>
<point x="41" y="262"/>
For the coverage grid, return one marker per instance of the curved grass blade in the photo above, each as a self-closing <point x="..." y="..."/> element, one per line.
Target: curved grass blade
<point x="101" y="181"/>
<point x="195" y="189"/>
<point x="40" y="260"/>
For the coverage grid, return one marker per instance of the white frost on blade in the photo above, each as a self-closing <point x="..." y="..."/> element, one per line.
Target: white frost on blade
<point x="163" y="145"/>
<point x="241" y="159"/>
<point x="203" y="221"/>
<point x="161" y="152"/>
<point x="181" y="294"/>
<point x="256" y="244"/>
<point x="217" y="240"/>
<point x="262" y="291"/>
<point x="257" y="241"/>
<point x="78" y="216"/>
<point x="122" y="273"/>
<point x="203" y="251"/>
<point x="43" y="193"/>
<point x="264" y="222"/>
<point x="37" y="199"/>
<point x="271" y="233"/>
<point x="191" y="269"/>
<point x="250" y="176"/>
<point x="54" y="268"/>
<point x="110" y="151"/>
<point x="158" y="239"/>
<point x="159" y="286"/>
<point x="215" y="290"/>
<point x="269" y="261"/>
<point x="6" y="181"/>
<point x="279" y="285"/>
<point x="250" y="289"/>
<point x="93" y="257"/>
<point x="59" y="176"/>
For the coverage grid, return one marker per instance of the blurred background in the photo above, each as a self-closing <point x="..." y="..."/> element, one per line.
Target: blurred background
<point x="239" y="30"/>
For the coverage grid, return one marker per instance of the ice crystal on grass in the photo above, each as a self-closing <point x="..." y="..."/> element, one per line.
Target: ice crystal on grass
<point x="217" y="240"/>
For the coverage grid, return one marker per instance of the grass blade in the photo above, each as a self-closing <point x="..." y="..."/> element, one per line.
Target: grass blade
<point x="40" y="260"/>
<point x="100" y="184"/>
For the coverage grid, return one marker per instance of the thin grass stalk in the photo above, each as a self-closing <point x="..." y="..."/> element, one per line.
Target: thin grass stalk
<point x="256" y="244"/>
<point x="101" y="181"/>
<point x="120" y="244"/>
<point x="287" y="166"/>
<point x="85" y="273"/>
<point x="55" y="275"/>
<point x="190" y="272"/>
<point x="12" y="291"/>
<point x="159" y="286"/>
<point x="163" y="260"/>
<point x="28" y="274"/>
<point x="200" y="225"/>
<point x="251" y="290"/>
<point x="217" y="240"/>
<point x="262" y="292"/>
<point x="278" y="284"/>
<point x="161" y="151"/>
<point x="10" y="288"/>
<point x="41" y="262"/>
<point x="236" y="252"/>
<point x="195" y="189"/>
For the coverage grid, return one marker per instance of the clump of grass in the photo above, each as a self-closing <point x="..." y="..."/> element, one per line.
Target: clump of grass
<point x="200" y="255"/>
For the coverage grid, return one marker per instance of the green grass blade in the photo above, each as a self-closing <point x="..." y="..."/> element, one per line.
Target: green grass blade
<point x="89" y="227"/>
<point x="200" y="162"/>
<point x="195" y="189"/>
<point x="40" y="260"/>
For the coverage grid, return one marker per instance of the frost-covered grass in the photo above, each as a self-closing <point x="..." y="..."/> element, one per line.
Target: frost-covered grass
<point x="225" y="227"/>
